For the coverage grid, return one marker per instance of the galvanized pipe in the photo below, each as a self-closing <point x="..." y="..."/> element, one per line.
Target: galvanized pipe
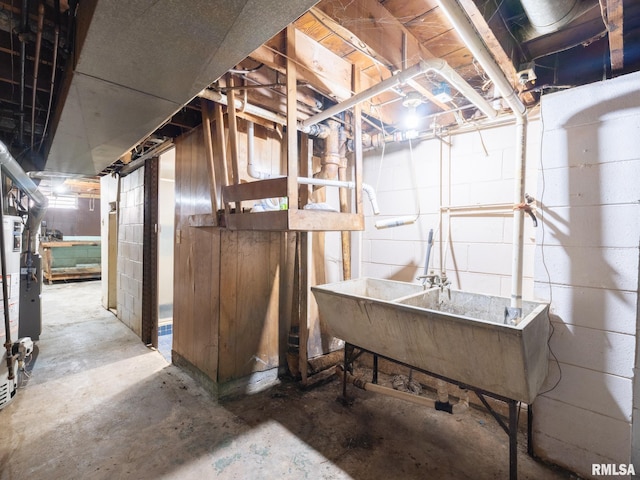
<point x="56" y="39"/>
<point x="436" y="65"/>
<point x="5" y="292"/>
<point x="36" y="66"/>
<point x="24" y="25"/>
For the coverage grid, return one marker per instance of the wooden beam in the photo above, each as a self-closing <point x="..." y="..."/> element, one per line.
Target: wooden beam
<point x="269" y="188"/>
<point x="321" y="68"/>
<point x="208" y="151"/>
<point x="126" y="158"/>
<point x="613" y="11"/>
<point x="221" y="141"/>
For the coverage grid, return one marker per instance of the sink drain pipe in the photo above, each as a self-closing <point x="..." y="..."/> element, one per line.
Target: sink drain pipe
<point x="444" y="406"/>
<point x="467" y="32"/>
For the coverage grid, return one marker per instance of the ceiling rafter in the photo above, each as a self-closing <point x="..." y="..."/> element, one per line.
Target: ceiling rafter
<point x="321" y="68"/>
<point x="385" y="39"/>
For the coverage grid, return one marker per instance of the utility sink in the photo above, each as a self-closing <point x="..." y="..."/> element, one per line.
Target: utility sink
<point x="459" y="335"/>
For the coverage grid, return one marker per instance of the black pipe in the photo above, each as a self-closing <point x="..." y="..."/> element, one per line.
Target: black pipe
<point x="5" y="290"/>
<point x="24" y="27"/>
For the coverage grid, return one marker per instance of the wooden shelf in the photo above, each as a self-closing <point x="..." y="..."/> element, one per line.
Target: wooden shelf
<point x="282" y="220"/>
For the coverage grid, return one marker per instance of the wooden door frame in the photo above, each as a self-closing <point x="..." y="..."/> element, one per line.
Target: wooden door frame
<point x="150" y="253"/>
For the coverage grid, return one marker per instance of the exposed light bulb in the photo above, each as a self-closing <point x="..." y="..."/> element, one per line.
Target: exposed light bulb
<point x="411" y="119"/>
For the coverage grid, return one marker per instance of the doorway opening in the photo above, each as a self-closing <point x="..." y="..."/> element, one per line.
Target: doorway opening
<point x="166" y="215"/>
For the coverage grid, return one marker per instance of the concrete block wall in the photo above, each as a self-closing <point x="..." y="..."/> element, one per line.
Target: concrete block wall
<point x="474" y="168"/>
<point x="586" y="266"/>
<point x="130" y="249"/>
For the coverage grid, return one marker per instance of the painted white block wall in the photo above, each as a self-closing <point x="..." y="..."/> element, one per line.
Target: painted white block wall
<point x="473" y="168"/>
<point x="130" y="250"/>
<point x="586" y="266"/>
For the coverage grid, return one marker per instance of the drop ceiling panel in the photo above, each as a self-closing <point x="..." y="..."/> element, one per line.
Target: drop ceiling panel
<point x="89" y="138"/>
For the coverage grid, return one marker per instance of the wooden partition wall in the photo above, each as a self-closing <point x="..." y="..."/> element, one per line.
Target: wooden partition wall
<point x="230" y="314"/>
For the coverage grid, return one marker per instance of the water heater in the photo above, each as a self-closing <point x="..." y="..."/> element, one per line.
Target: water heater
<point x="12" y="231"/>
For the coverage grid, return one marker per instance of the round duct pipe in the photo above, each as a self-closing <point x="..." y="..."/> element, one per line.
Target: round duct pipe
<point x="547" y="16"/>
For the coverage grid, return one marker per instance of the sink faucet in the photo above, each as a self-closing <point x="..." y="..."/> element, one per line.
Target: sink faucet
<point x="435" y="280"/>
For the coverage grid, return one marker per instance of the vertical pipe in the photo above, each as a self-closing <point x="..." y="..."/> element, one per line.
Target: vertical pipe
<point x="24" y="24"/>
<point x="36" y="65"/>
<point x="56" y="39"/>
<point x="5" y="289"/>
<point x="518" y="215"/>
<point x="473" y="41"/>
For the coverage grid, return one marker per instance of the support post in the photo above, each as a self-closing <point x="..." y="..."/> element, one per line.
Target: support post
<point x="222" y="142"/>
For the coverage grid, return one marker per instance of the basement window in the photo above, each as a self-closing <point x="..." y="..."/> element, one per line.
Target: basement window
<point x="63" y="201"/>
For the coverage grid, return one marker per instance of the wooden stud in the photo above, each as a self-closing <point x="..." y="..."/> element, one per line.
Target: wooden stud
<point x="208" y="150"/>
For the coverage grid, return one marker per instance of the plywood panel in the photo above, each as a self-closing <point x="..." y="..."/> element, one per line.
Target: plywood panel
<point x="228" y="305"/>
<point x="249" y="303"/>
<point x="196" y="267"/>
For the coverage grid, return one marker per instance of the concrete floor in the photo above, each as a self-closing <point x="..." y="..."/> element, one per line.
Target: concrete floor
<point x="100" y="405"/>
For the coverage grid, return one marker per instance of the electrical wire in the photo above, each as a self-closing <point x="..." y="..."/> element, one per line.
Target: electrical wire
<point x="544" y="263"/>
<point x="384" y="144"/>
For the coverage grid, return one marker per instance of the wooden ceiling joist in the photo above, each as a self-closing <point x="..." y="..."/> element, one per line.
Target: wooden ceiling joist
<point x="380" y="34"/>
<point x="319" y="67"/>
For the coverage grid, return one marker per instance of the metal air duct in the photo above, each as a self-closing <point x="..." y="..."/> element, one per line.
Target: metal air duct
<point x="13" y="169"/>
